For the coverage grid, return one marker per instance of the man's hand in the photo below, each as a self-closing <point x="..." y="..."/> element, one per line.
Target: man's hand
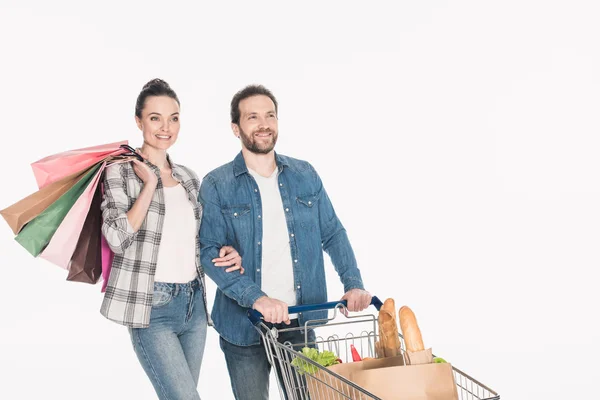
<point x="273" y="310"/>
<point x="358" y="299"/>
<point x="229" y="257"/>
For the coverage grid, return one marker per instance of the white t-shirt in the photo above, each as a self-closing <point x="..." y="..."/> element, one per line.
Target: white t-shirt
<point x="276" y="269"/>
<point x="177" y="251"/>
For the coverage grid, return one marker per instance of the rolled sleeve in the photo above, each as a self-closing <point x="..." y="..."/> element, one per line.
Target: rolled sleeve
<point x="116" y="227"/>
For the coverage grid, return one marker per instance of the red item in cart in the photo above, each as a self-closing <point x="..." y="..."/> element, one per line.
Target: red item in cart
<point x="355" y="355"/>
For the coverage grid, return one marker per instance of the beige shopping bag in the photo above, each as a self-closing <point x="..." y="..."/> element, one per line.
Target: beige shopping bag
<point x="23" y="211"/>
<point x="387" y="378"/>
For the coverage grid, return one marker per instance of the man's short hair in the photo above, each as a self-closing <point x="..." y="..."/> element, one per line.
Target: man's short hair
<point x="248" y="91"/>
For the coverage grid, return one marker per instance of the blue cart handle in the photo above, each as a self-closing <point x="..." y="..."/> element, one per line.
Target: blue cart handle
<point x="255" y="316"/>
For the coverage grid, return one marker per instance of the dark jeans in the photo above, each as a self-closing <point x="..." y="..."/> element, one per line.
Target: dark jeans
<point x="249" y="367"/>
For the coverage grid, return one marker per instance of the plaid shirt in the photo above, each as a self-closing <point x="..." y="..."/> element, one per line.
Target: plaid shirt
<point x="128" y="297"/>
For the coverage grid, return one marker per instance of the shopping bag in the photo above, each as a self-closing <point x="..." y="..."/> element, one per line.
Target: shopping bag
<point x="86" y="263"/>
<point x="34" y="237"/>
<point x="389" y="379"/>
<point x="23" y="211"/>
<point x="107" y="256"/>
<point x="52" y="168"/>
<point x="63" y="242"/>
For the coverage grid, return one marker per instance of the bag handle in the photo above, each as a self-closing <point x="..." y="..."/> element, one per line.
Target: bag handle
<point x="131" y="151"/>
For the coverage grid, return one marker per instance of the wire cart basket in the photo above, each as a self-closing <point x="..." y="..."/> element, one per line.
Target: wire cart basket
<point x="359" y="331"/>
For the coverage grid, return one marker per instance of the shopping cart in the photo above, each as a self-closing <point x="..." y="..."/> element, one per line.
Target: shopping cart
<point x="286" y="357"/>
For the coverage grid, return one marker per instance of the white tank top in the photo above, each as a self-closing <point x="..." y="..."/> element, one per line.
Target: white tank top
<point x="177" y="251"/>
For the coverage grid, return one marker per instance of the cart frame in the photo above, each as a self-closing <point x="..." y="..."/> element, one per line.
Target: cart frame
<point x="294" y="384"/>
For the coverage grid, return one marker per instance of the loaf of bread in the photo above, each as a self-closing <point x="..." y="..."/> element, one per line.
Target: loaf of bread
<point x="410" y="330"/>
<point x="379" y="350"/>
<point x="388" y="329"/>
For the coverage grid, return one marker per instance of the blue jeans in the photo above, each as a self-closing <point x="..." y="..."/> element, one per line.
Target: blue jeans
<point x="249" y="367"/>
<point x="171" y="348"/>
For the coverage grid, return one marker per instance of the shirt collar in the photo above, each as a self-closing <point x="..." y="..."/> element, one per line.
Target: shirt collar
<point x="239" y="164"/>
<point x="174" y="167"/>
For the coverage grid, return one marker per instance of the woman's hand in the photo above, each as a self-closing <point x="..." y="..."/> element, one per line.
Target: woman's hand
<point x="138" y="211"/>
<point x="144" y="172"/>
<point x="229" y="257"/>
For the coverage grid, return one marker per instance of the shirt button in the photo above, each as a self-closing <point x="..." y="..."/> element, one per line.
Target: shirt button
<point x="310" y="202"/>
<point x="258" y="270"/>
<point x="281" y="184"/>
<point x="295" y="261"/>
<point x="259" y="243"/>
<point x="256" y="190"/>
<point x="292" y="235"/>
<point x="298" y="286"/>
<point x="235" y="214"/>
<point x="287" y="210"/>
<point x="259" y="217"/>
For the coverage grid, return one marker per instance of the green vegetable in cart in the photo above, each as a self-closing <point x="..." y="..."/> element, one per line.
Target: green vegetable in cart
<point x="439" y="360"/>
<point x="325" y="358"/>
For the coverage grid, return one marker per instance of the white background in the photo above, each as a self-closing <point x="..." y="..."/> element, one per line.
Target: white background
<point x="458" y="141"/>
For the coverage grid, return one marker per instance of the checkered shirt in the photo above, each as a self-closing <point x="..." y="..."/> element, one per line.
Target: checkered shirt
<point x="128" y="297"/>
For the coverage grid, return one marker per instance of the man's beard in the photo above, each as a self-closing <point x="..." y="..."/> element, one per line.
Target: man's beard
<point x="251" y="144"/>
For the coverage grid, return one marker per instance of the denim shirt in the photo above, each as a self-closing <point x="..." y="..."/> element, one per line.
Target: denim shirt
<point x="232" y="216"/>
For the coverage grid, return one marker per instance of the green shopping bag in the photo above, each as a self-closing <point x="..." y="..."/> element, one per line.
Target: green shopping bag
<point x="36" y="235"/>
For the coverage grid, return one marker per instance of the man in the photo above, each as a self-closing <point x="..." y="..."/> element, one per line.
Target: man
<point x="274" y="210"/>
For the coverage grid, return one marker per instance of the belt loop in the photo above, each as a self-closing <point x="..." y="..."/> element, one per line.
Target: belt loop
<point x="175" y="290"/>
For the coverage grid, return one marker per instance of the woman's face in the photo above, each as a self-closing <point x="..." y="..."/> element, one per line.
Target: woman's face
<point x="159" y="122"/>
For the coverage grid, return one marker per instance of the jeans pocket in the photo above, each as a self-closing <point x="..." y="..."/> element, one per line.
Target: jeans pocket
<point x="161" y="297"/>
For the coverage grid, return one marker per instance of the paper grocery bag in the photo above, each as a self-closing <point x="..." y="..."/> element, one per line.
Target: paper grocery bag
<point x="418" y="357"/>
<point x="409" y="382"/>
<point x="323" y="385"/>
<point x="31" y="206"/>
<point x="86" y="263"/>
<point x="389" y="379"/>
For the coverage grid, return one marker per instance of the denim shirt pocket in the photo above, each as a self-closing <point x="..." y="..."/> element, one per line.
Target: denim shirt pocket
<point x="308" y="211"/>
<point x="239" y="222"/>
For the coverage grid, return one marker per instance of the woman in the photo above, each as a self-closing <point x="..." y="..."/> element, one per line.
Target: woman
<point x="151" y="218"/>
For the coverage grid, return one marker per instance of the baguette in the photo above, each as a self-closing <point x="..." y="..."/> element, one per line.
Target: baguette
<point x="388" y="329"/>
<point x="410" y="330"/>
<point x="379" y="350"/>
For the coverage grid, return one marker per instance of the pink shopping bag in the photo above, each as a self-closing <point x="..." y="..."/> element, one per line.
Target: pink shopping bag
<point x="52" y="168"/>
<point x="107" y="258"/>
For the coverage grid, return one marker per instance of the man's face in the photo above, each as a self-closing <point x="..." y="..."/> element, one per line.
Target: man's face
<point x="258" y="124"/>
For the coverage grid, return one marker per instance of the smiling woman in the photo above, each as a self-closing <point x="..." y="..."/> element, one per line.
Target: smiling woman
<point x="157" y="115"/>
<point x="151" y="217"/>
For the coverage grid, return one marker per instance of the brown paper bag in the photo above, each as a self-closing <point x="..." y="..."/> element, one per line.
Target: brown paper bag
<point x="387" y="378"/>
<point x="31" y="206"/>
<point x="410" y="382"/>
<point x="86" y="262"/>
<point x="323" y="385"/>
<point x="418" y="357"/>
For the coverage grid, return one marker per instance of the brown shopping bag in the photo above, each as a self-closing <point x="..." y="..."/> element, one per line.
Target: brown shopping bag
<point x="86" y="263"/>
<point x="25" y="210"/>
<point x="389" y="379"/>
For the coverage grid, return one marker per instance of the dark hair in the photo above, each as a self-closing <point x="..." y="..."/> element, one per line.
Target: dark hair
<point x="248" y="91"/>
<point x="156" y="87"/>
